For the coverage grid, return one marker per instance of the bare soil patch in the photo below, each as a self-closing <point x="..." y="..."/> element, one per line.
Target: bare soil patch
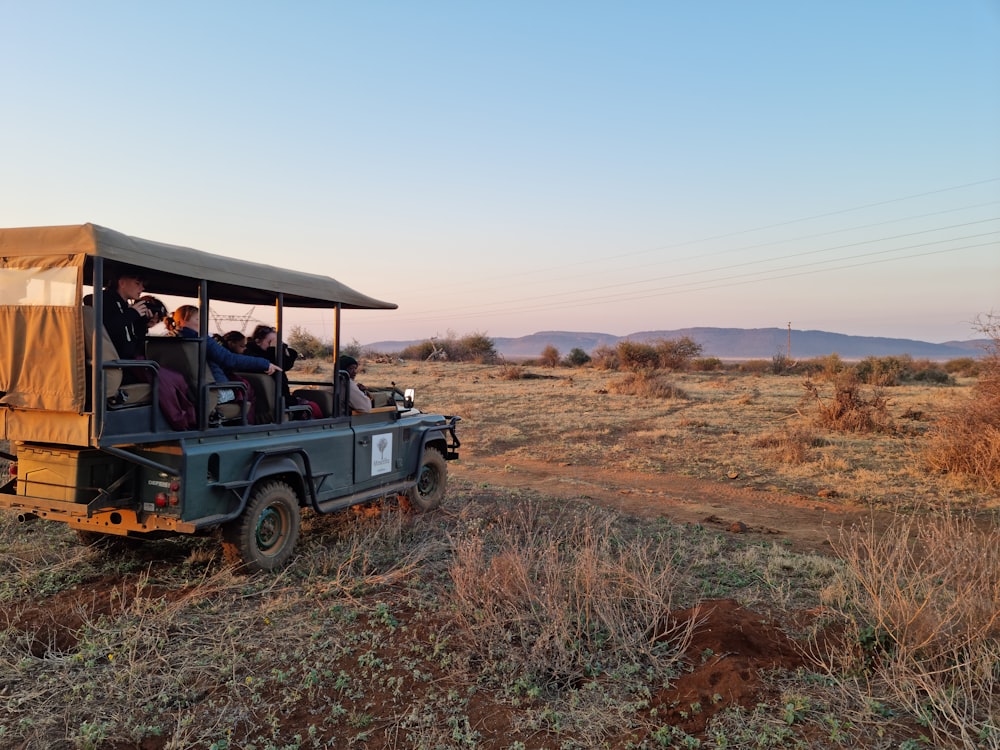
<point x="804" y="523"/>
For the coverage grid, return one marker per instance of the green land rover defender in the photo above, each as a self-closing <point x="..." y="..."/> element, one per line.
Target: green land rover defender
<point x="94" y="440"/>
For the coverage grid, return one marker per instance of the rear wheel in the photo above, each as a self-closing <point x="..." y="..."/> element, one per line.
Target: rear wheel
<point x="264" y="537"/>
<point x="432" y="481"/>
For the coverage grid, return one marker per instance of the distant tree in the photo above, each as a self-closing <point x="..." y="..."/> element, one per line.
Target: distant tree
<point x="352" y="350"/>
<point x="605" y="357"/>
<point x="636" y="356"/>
<point x="577" y="357"/>
<point x="676" y="354"/>
<point x="550" y="356"/>
<point x="306" y="343"/>
<point x="476" y="347"/>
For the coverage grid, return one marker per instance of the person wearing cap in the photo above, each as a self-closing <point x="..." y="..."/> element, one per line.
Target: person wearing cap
<point x="358" y="400"/>
<point x="126" y="315"/>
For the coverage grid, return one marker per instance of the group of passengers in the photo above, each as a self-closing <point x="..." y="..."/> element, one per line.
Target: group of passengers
<point x="128" y="315"/>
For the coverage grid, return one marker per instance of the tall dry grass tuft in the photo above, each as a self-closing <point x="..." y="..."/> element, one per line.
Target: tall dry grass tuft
<point x="848" y="410"/>
<point x="645" y="384"/>
<point x="966" y="440"/>
<point x="789" y="446"/>
<point x="553" y="604"/>
<point x="922" y="604"/>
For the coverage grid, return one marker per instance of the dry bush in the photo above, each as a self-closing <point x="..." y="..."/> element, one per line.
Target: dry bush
<point x="645" y="385"/>
<point x="966" y="367"/>
<point x="549" y="356"/>
<point x="848" y="410"/>
<point x="676" y="354"/>
<point x="633" y="355"/>
<point x="790" y="445"/>
<point x="605" y="358"/>
<point x="966" y="440"/>
<point x="510" y="371"/>
<point x="706" y="364"/>
<point x="551" y="602"/>
<point x="756" y="366"/>
<point x="921" y="601"/>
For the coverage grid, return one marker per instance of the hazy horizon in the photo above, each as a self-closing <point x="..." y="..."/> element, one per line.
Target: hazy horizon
<point x="593" y="166"/>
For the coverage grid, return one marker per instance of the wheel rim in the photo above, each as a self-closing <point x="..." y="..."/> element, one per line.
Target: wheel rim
<point x="428" y="480"/>
<point x="271" y="529"/>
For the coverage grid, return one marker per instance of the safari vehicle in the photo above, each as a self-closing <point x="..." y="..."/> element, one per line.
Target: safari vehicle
<point x="90" y="445"/>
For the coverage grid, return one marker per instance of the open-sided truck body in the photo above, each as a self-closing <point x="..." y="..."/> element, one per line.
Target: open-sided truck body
<point x="90" y="443"/>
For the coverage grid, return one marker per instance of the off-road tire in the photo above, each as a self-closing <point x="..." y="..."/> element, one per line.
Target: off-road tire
<point x="432" y="481"/>
<point x="264" y="537"/>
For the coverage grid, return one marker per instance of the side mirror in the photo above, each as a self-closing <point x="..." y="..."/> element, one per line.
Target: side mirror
<point x="408" y="398"/>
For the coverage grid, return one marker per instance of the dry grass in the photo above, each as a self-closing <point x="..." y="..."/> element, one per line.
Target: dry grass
<point x="558" y="600"/>
<point x="922" y="604"/>
<point x="511" y="620"/>
<point x="725" y="421"/>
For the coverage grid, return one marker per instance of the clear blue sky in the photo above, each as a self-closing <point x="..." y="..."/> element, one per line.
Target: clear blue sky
<point x="512" y="167"/>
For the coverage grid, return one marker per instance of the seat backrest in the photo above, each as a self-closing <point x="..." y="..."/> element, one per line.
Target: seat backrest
<point x="181" y="355"/>
<point x="113" y="375"/>
<point x="322" y="397"/>
<point x="342" y="406"/>
<point x="263" y="392"/>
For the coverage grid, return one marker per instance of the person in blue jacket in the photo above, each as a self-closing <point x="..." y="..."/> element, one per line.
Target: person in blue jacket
<point x="186" y="322"/>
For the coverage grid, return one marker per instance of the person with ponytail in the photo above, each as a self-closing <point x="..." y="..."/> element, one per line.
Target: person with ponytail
<point x="185" y="322"/>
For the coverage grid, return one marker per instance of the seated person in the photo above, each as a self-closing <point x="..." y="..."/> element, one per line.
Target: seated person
<point x="186" y="322"/>
<point x="358" y="400"/>
<point x="125" y="314"/>
<point x="263" y="343"/>
<point x="236" y="342"/>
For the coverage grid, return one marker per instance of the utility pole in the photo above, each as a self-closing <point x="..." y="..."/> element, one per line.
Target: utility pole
<point x="788" y="351"/>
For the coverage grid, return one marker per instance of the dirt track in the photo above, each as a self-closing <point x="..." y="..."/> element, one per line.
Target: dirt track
<point x="806" y="523"/>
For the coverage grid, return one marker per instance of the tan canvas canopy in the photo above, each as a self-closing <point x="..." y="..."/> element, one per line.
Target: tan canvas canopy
<point x="43" y="271"/>
<point x="172" y="267"/>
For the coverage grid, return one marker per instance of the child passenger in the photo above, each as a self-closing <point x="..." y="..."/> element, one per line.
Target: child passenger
<point x="186" y="322"/>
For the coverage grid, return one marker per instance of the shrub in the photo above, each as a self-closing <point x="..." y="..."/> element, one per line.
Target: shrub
<point x="848" y="410"/>
<point x="706" y="364"/>
<point x="307" y="344"/>
<point x="882" y="371"/>
<point x="577" y="357"/>
<point x="966" y="439"/>
<point x="755" y="366"/>
<point x="636" y="356"/>
<point x="645" y="385"/>
<point x="676" y="354"/>
<point x="475" y="347"/>
<point x="605" y="358"/>
<point x="549" y="356"/>
<point x="966" y="367"/>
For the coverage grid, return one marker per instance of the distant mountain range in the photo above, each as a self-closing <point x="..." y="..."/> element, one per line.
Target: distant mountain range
<point x="733" y="344"/>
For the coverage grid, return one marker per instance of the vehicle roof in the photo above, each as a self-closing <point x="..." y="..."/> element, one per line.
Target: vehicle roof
<point x="172" y="267"/>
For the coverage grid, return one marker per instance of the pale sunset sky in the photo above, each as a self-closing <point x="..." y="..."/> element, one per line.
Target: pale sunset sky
<point x="513" y="167"/>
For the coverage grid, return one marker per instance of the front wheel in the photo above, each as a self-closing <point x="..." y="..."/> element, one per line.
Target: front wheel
<point x="432" y="481"/>
<point x="264" y="537"/>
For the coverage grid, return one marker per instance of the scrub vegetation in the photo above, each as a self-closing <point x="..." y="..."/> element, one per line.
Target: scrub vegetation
<point x="553" y="602"/>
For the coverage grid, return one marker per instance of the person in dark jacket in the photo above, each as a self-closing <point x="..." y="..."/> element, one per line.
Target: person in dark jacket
<point x="126" y="316"/>
<point x="263" y="343"/>
<point x="186" y="322"/>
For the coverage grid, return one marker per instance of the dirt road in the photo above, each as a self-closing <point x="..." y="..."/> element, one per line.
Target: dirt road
<point x="805" y="523"/>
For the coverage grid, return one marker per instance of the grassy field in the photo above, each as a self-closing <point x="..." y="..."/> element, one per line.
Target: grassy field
<point x="513" y="618"/>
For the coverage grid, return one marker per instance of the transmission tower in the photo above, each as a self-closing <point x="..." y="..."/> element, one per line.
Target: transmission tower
<point x="243" y="320"/>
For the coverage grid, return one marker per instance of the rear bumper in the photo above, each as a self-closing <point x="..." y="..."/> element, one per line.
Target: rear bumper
<point x="119" y="521"/>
